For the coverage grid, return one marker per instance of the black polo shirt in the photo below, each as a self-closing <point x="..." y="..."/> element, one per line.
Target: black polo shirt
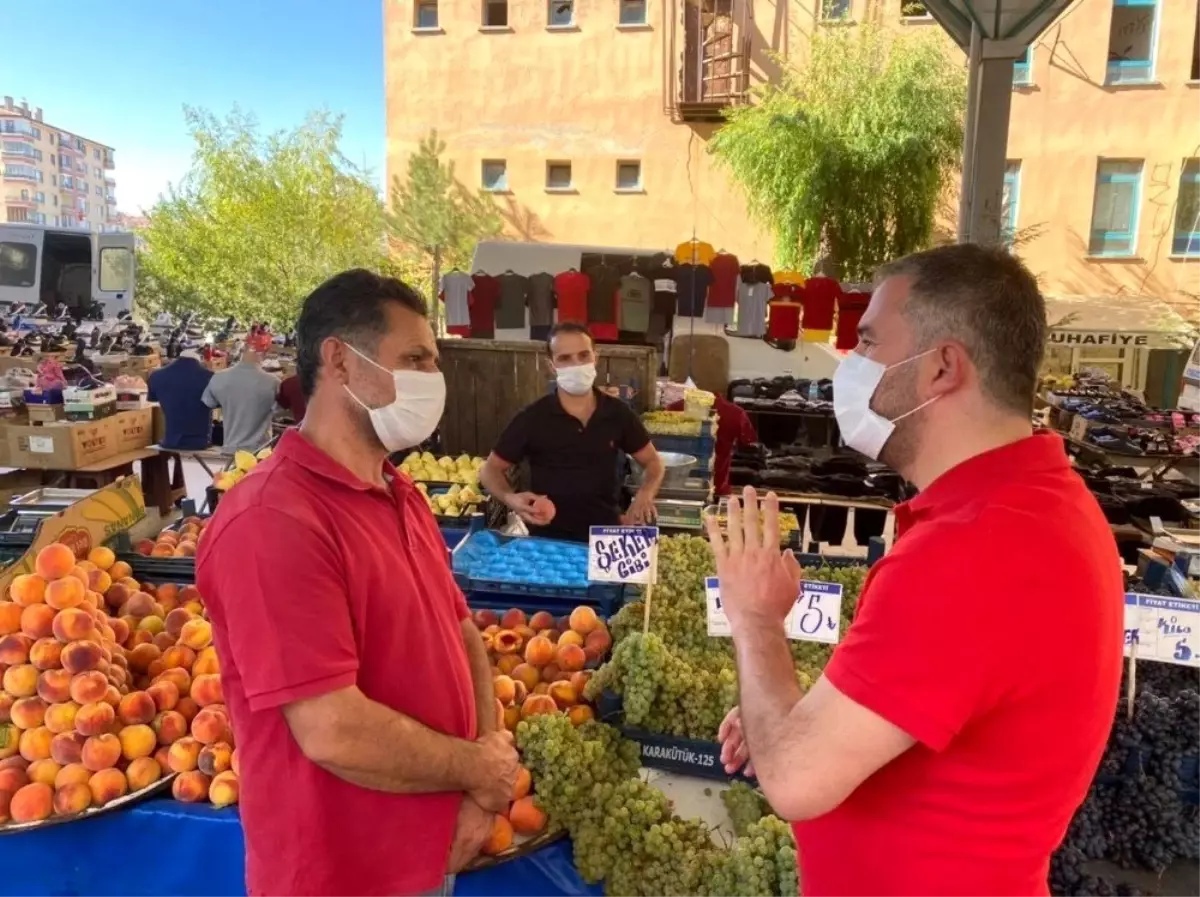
<point x="573" y="464"/>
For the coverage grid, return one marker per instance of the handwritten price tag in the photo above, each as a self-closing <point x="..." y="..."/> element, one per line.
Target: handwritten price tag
<point x="718" y="623"/>
<point x="1079" y="428"/>
<point x="1164" y="629"/>
<point x="620" y="553"/>
<point x="817" y="614"/>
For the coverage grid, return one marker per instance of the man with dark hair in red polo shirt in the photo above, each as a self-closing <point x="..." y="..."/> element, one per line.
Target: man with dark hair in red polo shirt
<point x="359" y="689"/>
<point x="947" y="746"/>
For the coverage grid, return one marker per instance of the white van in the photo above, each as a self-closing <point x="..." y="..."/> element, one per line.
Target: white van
<point x="40" y="264"/>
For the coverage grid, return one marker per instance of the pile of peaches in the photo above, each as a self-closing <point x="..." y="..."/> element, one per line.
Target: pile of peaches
<point x="177" y="543"/>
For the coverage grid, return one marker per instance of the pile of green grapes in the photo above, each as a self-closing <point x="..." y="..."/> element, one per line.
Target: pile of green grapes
<point x="624" y="830"/>
<point x="675" y="679"/>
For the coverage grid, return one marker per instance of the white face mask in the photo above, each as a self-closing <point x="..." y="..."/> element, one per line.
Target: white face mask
<point x="854" y="385"/>
<point x="576" y="380"/>
<point x="412" y="416"/>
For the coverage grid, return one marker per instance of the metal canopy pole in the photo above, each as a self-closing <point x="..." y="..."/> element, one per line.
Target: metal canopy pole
<point x="970" y="133"/>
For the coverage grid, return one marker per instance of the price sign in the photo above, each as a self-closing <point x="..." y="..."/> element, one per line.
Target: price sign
<point x="817" y="613"/>
<point x="620" y="553"/>
<point x="1164" y="629"/>
<point x="1079" y="428"/>
<point x="718" y="623"/>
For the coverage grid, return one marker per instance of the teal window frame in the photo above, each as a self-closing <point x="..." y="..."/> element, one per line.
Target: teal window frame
<point x="1098" y="244"/>
<point x="1135" y="71"/>
<point x="1185" y="240"/>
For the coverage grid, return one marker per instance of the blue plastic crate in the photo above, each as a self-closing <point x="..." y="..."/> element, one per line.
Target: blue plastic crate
<point x="701" y="447"/>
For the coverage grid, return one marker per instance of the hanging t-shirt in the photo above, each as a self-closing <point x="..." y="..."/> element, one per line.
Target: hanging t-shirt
<point x="783" y="321"/>
<point x="510" y="311"/>
<point x="752" y="308"/>
<point x="787" y="292"/>
<point x="605" y="281"/>
<point x="694" y="252"/>
<point x="541" y="300"/>
<point x="456" y="292"/>
<point x="725" y="272"/>
<point x="484" y="296"/>
<point x="571" y="289"/>
<point x="636" y="299"/>
<point x="819" y="300"/>
<point x="789" y="277"/>
<point x="691" y="284"/>
<point x="850" y="311"/>
<point x="647" y="265"/>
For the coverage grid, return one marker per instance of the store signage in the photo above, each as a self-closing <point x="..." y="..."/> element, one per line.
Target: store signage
<point x="621" y="553"/>
<point x="1163" y="629"/>
<point x="1099" y="338"/>
<point x="815" y="617"/>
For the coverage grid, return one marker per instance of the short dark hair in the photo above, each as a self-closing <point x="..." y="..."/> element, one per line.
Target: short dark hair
<point x="349" y="306"/>
<point x="567" y="327"/>
<point x="985" y="298"/>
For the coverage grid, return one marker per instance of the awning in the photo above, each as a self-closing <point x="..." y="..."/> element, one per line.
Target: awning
<point x="1121" y="322"/>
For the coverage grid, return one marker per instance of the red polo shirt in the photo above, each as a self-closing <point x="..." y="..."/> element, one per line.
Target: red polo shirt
<point x="992" y="634"/>
<point x="316" y="581"/>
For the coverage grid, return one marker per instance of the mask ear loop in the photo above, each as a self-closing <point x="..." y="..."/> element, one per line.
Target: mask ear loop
<point x="925" y="404"/>
<point x="370" y="361"/>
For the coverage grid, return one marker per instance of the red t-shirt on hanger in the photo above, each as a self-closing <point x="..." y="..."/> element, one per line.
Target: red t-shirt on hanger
<point x="725" y="270"/>
<point x="571" y="288"/>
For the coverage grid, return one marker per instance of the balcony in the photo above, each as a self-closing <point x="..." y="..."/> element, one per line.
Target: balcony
<point x="108" y="161"/>
<point x="19" y="201"/>
<point x="109" y="182"/>
<point x="19" y="152"/>
<point x="70" y="144"/>
<point x="714" y="68"/>
<point x="110" y="198"/>
<point x="13" y="173"/>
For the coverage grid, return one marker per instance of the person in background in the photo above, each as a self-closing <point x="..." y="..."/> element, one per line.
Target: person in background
<point x="245" y="393"/>
<point x="180" y="388"/>
<point x="291" y="397"/>
<point x="571" y="439"/>
<point x="933" y="729"/>
<point x="320" y="571"/>
<point x="733" y="429"/>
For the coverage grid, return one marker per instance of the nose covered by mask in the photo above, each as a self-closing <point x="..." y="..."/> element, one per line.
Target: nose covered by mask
<point x="854" y="384"/>
<point x="412" y="416"/>
<point x="576" y="380"/>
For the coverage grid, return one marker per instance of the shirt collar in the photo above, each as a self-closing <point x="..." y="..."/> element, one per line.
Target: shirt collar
<point x="293" y="446"/>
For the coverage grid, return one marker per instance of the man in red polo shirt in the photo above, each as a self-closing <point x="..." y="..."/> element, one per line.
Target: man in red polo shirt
<point x="962" y="718"/>
<point x="358" y="688"/>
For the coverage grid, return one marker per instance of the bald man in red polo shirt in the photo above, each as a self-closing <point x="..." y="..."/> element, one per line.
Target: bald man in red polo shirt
<point x="359" y="690"/>
<point x="962" y="718"/>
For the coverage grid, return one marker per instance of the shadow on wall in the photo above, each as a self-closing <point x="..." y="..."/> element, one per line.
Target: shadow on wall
<point x="522" y="223"/>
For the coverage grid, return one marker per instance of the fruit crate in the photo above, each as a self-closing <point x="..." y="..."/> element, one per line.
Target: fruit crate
<point x="179" y="570"/>
<point x="700" y="447"/>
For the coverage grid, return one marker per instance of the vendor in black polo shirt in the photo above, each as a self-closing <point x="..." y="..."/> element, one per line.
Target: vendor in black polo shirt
<point x="571" y="439"/>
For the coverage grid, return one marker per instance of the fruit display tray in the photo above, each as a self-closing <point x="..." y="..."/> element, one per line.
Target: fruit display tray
<point x="176" y="570"/>
<point x="523" y="847"/>
<point x="163" y="784"/>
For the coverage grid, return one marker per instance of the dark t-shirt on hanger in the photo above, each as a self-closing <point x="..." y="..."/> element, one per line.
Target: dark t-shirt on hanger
<point x="541" y="300"/>
<point x="601" y="305"/>
<point x="510" y="312"/>
<point x="692" y="283"/>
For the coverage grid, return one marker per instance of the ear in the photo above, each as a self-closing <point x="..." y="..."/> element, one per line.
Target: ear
<point x="952" y="368"/>
<point x="334" y="360"/>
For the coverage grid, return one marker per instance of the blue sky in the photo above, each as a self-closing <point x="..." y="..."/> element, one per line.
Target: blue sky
<point x="123" y="69"/>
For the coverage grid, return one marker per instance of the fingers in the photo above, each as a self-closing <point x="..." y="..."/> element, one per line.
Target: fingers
<point x="749" y="770"/>
<point x="732" y="721"/>
<point x="733" y="528"/>
<point x="751" y="534"/>
<point x="769" y="533"/>
<point x="715" y="538"/>
<point x="792" y="566"/>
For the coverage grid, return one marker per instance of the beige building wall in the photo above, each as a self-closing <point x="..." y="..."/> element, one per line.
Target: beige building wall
<point x="52" y="176"/>
<point x="597" y="94"/>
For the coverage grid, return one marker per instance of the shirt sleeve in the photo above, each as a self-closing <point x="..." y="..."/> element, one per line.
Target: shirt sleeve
<point x="514" y="441"/>
<point x="923" y="651"/>
<point x="747" y="435"/>
<point x="151" y="395"/>
<point x="209" y="397"/>
<point x="285" y="649"/>
<point x="634" y="436"/>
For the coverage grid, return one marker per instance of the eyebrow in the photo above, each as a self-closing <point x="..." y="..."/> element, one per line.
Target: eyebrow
<point x="864" y="330"/>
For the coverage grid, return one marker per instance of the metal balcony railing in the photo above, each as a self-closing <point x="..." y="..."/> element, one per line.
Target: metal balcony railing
<point x="714" y="63"/>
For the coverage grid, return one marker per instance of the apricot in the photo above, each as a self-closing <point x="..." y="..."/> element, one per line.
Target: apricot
<point x="505" y="689"/>
<point x="506" y="642"/>
<point x="583" y="620"/>
<point x="137" y="741"/>
<point x="79" y="657"/>
<point x="564" y="694"/>
<point x="169" y="726"/>
<point x="154" y="625"/>
<point x="525" y="816"/>
<point x="579" y="681"/>
<point x="541" y="620"/>
<point x="102" y="557"/>
<point x="485" y="618"/>
<point x="501" y="837"/>
<point x="164" y="694"/>
<point x="523" y="783"/>
<point x="60" y="716"/>
<point x="89" y="687"/>
<point x="542" y="688"/>
<point x="112" y="697"/>
<point x="570" y="637"/>
<point x="207" y="690"/>
<point x="33" y="802"/>
<point x="21" y="681"/>
<point x="75" y="624"/>
<point x="35" y="743"/>
<point x="539" y="651"/>
<point x="27" y="589"/>
<point x="10" y="740"/>
<point x="107" y="785"/>
<point x="223" y="790"/>
<point x="13" y="778"/>
<point x="191" y="786"/>
<point x="44" y="771"/>
<point x="72" y="774"/>
<point x="67" y="748"/>
<point x="101" y="751"/>
<point x="54" y="562"/>
<point x="196" y="634"/>
<point x="596" y="645"/>
<point x="184" y="754"/>
<point x="527" y="674"/>
<point x="137" y="707"/>
<point x="120" y="630"/>
<point x="550" y="672"/>
<point x="570" y="658"/>
<point x="142" y="773"/>
<point x="28" y="713"/>
<point x="215" y="758"/>
<point x="72" y="797"/>
<point x="187" y="708"/>
<point x="580" y="714"/>
<point x="14" y="649"/>
<point x="6" y="702"/>
<point x="99" y="582"/>
<point x="180" y="656"/>
<point x="209" y="726"/>
<point x="65" y="594"/>
<point x="512" y="716"/>
<point x="536" y="705"/>
<point x="120" y="570"/>
<point x="94" y="718"/>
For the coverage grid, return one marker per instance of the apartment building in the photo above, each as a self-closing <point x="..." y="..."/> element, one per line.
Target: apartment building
<point x="588" y="119"/>
<point x="52" y="176"/>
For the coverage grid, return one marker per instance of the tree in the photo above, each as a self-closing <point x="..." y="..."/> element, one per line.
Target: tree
<point x="259" y="222"/>
<point x="435" y="218"/>
<point x="846" y="158"/>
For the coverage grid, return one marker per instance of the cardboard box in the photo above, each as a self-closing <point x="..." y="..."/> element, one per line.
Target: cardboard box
<point x="134" y="430"/>
<point x="160" y="424"/>
<point x="61" y="446"/>
<point x="45" y="414"/>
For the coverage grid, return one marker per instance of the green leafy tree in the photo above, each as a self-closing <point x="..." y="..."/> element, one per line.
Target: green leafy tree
<point x="847" y="157"/>
<point x="434" y="219"/>
<point x="259" y="221"/>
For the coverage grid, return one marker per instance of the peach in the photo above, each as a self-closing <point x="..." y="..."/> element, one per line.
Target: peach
<point x="206" y="662"/>
<point x="54" y="562"/>
<point x="191" y="786"/>
<point x="570" y="637"/>
<point x="79" y="657"/>
<point x="485" y="618"/>
<point x="570" y="658"/>
<point x="21" y="681"/>
<point x="10" y="740"/>
<point x="187" y="708"/>
<point x="142" y="773"/>
<point x="550" y="672"/>
<point x="89" y="687"/>
<point x="94" y="718"/>
<point x="541" y="620"/>
<point x="10" y="617"/>
<point x="564" y="694"/>
<point x="120" y="570"/>
<point x="6" y="703"/>
<point x="65" y="594"/>
<point x="522" y="785"/>
<point x="596" y="645"/>
<point x="67" y="748"/>
<point x="142" y="656"/>
<point x="209" y="726"/>
<point x="223" y="790"/>
<point x="117" y="595"/>
<point x="137" y="636"/>
<point x="13" y="778"/>
<point x="184" y="754"/>
<point x="164" y="693"/>
<point x="527" y="674"/>
<point x="16" y="761"/>
<point x="35" y="801"/>
<point x="524" y="632"/>
<point x="137" y="707"/>
<point x="504" y="688"/>
<point x="168" y="536"/>
<point x="45" y="771"/>
<point x="120" y="630"/>
<point x="512" y="618"/>
<point x="72" y="798"/>
<point x="501" y="837"/>
<point x="492" y="630"/>
<point x="196" y="634"/>
<point x="101" y="751"/>
<point x="521" y="692"/>
<point x="27" y="589"/>
<point x="139" y="605"/>
<point x="35" y="743"/>
<point x="46" y="653"/>
<point x="74" y="624"/>
<point x="102" y="557"/>
<point x="542" y="688"/>
<point x="72" y="774"/>
<point x="583" y="620"/>
<point x="79" y="574"/>
<point x="580" y="714"/>
<point x="152" y="624"/>
<point x="170" y="726"/>
<point x="525" y="816"/>
<point x="162" y="640"/>
<point x="167" y="592"/>
<point x="536" y="705"/>
<point x="178" y="656"/>
<point x="112" y="697"/>
<point x="506" y="642"/>
<point x="539" y="651"/>
<point x="99" y="582"/>
<point x="162" y="550"/>
<point x="137" y="741"/>
<point x="233" y="763"/>
<point x="14" y="649"/>
<point x="176" y="619"/>
<point x="509" y="662"/>
<point x="214" y="758"/>
<point x="107" y="785"/>
<point x="29" y="713"/>
<point x="161" y="754"/>
<point x="563" y="623"/>
<point x="207" y="690"/>
<point x="60" y="717"/>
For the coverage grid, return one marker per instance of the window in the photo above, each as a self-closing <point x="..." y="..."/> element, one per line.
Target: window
<point x="96" y="172"/>
<point x="913" y="9"/>
<point x="39" y="196"/>
<point x="53" y="160"/>
<point x="558" y="175"/>
<point x="629" y="176"/>
<point x="53" y="180"/>
<point x="425" y="14"/>
<point x="18" y="264"/>
<point x="495" y="175"/>
<point x="1115" y="208"/>
<point x="1187" y="211"/>
<point x="96" y="154"/>
<point x="1009" y="201"/>
<point x="1131" y="40"/>
<point x="631" y="12"/>
<point x="53" y="199"/>
<point x="24" y="172"/>
<point x="495" y="13"/>
<point x="1023" y="68"/>
<point x="116" y="269"/>
<point x="835" y="10"/>
<point x="560" y="14"/>
<point x="50" y="137"/>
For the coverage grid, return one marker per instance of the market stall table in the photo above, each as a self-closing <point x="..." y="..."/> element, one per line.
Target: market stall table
<point x="155" y="477"/>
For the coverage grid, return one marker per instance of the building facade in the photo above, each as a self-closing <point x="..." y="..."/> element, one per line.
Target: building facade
<point x="51" y="176"/>
<point x="589" y="119"/>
